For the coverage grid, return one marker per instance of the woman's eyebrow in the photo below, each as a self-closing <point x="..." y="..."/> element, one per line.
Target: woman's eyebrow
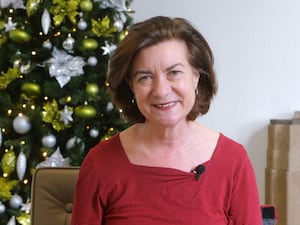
<point x="141" y="72"/>
<point x="173" y="66"/>
<point x="145" y="71"/>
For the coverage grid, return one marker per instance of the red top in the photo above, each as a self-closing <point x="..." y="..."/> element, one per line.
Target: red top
<point x="112" y="191"/>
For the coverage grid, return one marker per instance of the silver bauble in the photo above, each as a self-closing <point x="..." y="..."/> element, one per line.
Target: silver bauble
<point x="72" y="142"/>
<point x="94" y="133"/>
<point x="68" y="44"/>
<point x="47" y="44"/>
<point x="16" y="201"/>
<point x="109" y="107"/>
<point x="119" y="25"/>
<point x="82" y="25"/>
<point x="92" y="61"/>
<point x="21" y="124"/>
<point x="49" y="141"/>
<point x="2" y="208"/>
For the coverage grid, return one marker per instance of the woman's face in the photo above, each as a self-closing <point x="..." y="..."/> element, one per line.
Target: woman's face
<point x="164" y="83"/>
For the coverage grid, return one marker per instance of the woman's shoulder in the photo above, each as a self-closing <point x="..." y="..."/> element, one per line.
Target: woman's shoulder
<point x="107" y="155"/>
<point x="230" y="149"/>
<point x="107" y="148"/>
<point x="230" y="143"/>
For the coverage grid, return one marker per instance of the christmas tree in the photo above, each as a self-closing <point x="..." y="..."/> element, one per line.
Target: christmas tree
<point x="54" y="104"/>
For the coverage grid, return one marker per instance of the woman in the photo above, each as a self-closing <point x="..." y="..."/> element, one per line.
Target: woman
<point x="166" y="168"/>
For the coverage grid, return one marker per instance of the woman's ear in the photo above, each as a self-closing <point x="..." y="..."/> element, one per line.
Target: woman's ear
<point x="196" y="78"/>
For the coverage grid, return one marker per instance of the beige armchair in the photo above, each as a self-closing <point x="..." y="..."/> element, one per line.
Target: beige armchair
<point x="52" y="195"/>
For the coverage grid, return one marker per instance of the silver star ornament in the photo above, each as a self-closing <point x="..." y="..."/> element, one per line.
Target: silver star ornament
<point x="66" y="115"/>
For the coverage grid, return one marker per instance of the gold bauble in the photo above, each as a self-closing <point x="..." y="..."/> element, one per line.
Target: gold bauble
<point x="32" y="7"/>
<point x="89" y="44"/>
<point x="8" y="162"/>
<point x="86" y="5"/>
<point x="2" y="23"/>
<point x="92" y="89"/>
<point x="19" y="36"/>
<point x="31" y="89"/>
<point x="85" y="111"/>
<point x="122" y="35"/>
<point x="3" y="39"/>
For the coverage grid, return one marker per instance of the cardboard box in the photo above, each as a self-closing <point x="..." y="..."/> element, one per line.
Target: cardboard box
<point x="284" y="136"/>
<point x="283" y="191"/>
<point x="284" y="160"/>
<point x="283" y="169"/>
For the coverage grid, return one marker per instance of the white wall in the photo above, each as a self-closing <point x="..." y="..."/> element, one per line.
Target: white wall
<point x="257" y="52"/>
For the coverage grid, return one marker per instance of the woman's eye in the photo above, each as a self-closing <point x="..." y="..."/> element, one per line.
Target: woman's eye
<point x="143" y="78"/>
<point x="175" y="73"/>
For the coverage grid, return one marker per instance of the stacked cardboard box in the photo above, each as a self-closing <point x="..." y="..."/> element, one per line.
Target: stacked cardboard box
<point x="283" y="169"/>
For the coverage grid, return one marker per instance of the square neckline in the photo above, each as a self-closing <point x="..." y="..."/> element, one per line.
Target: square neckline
<point x="161" y="168"/>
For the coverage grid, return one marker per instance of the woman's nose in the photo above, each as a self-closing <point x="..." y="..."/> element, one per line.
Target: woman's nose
<point x="161" y="87"/>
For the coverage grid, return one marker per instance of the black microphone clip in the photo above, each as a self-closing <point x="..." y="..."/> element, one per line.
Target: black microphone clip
<point x="198" y="171"/>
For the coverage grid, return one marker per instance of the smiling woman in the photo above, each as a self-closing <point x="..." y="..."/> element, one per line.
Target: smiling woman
<point x="152" y="32"/>
<point x="166" y="168"/>
<point x="164" y="82"/>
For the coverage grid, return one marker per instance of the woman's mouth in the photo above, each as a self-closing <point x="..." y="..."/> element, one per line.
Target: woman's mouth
<point x="165" y="105"/>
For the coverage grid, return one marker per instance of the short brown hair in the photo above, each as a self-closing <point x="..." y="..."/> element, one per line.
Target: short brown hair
<point x="148" y="33"/>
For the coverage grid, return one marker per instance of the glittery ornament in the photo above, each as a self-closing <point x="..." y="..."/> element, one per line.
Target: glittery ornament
<point x="16" y="4"/>
<point x="10" y="25"/>
<point x="63" y="66"/>
<point x="45" y="21"/>
<point x="24" y="68"/>
<point x="32" y="6"/>
<point x="26" y="207"/>
<point x="119" y="5"/>
<point x="68" y="44"/>
<point x="12" y="221"/>
<point x="8" y="162"/>
<point x="21" y="165"/>
<point x="108" y="48"/>
<point x="55" y="160"/>
<point x="66" y="115"/>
